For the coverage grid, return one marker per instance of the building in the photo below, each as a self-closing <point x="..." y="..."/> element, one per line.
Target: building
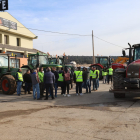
<point x="15" y="39"/>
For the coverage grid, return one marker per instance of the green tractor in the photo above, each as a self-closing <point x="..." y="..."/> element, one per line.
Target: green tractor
<point x="39" y="60"/>
<point x="59" y="60"/>
<point x="7" y="75"/>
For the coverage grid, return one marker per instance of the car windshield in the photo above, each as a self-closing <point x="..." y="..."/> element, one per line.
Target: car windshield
<point x="137" y="54"/>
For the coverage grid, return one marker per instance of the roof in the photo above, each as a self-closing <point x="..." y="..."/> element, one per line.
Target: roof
<point x="19" y="49"/>
<point x="21" y="29"/>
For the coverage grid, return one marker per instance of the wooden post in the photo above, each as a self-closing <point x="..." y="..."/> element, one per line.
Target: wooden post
<point x="93" y="47"/>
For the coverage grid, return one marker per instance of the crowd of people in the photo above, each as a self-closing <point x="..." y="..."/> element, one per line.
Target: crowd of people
<point x="50" y="79"/>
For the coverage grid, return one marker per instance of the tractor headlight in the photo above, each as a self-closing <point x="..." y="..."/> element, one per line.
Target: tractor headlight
<point x="128" y="73"/>
<point x="136" y="73"/>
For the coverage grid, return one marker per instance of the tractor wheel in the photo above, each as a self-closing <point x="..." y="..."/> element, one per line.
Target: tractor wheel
<point x="118" y="80"/>
<point x="100" y="69"/>
<point x="8" y="84"/>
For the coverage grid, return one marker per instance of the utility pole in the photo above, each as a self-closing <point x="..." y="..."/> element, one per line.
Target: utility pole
<point x="93" y="47"/>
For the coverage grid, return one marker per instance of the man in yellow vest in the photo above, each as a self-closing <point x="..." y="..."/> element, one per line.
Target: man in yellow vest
<point x="19" y="79"/>
<point x="90" y="74"/>
<point x="60" y="82"/>
<point x="104" y="73"/>
<point x="98" y="77"/>
<point x="94" y="78"/>
<point x="78" y="79"/>
<point x="110" y="74"/>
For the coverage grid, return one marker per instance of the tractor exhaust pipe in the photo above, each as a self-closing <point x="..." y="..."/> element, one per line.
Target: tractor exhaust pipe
<point x="130" y="53"/>
<point x="9" y="63"/>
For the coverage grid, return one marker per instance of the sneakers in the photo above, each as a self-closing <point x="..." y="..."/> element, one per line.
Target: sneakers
<point x="68" y="95"/>
<point x="81" y="94"/>
<point x="77" y="94"/>
<point x="64" y="95"/>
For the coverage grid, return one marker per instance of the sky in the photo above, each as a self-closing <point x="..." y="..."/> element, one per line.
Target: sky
<point x="115" y="21"/>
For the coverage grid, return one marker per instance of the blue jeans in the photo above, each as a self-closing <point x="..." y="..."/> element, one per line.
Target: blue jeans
<point x="87" y="86"/>
<point x="94" y="84"/>
<point x="106" y="77"/>
<point x="98" y="83"/>
<point x="36" y="89"/>
<point x="28" y="87"/>
<point x="19" y="84"/>
<point x="55" y="86"/>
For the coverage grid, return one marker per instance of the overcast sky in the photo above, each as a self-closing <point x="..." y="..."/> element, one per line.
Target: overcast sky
<point x="116" y="21"/>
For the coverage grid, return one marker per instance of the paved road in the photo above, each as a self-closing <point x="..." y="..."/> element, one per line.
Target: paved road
<point x="96" y="116"/>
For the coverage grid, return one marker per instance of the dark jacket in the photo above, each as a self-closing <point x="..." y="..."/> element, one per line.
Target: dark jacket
<point x="85" y="76"/>
<point x="34" y="80"/>
<point x="49" y="78"/>
<point x="56" y="76"/>
<point x="17" y="77"/>
<point x="27" y="78"/>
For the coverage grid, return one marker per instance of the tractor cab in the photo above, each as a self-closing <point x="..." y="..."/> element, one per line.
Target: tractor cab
<point x="37" y="60"/>
<point x="103" y="60"/>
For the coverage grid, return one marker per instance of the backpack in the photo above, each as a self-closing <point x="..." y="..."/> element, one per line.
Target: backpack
<point x="66" y="76"/>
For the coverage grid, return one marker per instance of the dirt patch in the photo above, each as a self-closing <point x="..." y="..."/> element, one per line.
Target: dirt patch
<point x="100" y="107"/>
<point x="6" y="122"/>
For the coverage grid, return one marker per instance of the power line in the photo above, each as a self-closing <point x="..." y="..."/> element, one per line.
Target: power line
<point x="107" y="41"/>
<point x="54" y="32"/>
<point x="71" y="34"/>
<point x="74" y="34"/>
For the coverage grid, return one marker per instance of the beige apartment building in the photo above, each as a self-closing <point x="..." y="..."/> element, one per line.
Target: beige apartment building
<point x="15" y="39"/>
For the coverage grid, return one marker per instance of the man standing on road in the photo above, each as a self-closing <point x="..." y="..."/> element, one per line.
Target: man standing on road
<point x="104" y="73"/>
<point x="86" y="80"/>
<point x="78" y="79"/>
<point x="49" y="80"/>
<point x="90" y="74"/>
<point x="98" y="77"/>
<point x="110" y="74"/>
<point x="94" y="78"/>
<point x="56" y="79"/>
<point x="41" y="84"/>
<point x="28" y="81"/>
<point x="35" y="83"/>
<point x="61" y="81"/>
<point x="19" y="79"/>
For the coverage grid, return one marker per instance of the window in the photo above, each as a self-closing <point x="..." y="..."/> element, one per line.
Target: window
<point x="14" y="63"/>
<point x="18" y="41"/>
<point x="0" y="38"/>
<point x="6" y="39"/>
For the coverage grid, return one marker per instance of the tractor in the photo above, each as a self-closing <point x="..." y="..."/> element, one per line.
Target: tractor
<point x="7" y="75"/>
<point x="127" y="79"/>
<point x="105" y="61"/>
<point x="40" y="60"/>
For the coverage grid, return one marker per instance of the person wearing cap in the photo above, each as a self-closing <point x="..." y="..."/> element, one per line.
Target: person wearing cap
<point x="78" y="79"/>
<point x="94" y="78"/>
<point x="104" y="73"/>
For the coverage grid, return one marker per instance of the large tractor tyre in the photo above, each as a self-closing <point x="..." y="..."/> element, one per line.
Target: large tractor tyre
<point x="8" y="84"/>
<point x="100" y="69"/>
<point x="118" y="80"/>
